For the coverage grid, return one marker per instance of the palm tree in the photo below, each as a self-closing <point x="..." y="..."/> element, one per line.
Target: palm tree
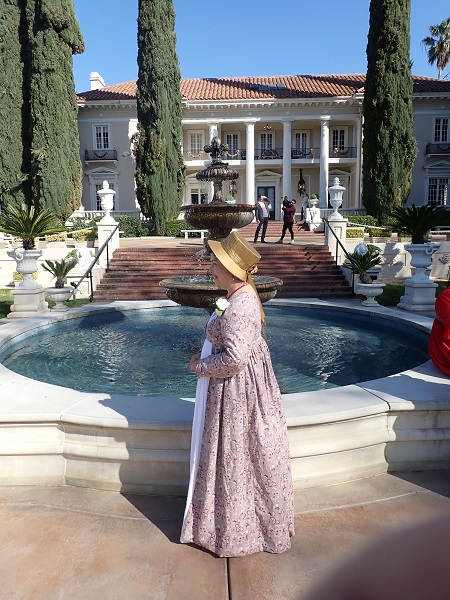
<point x="438" y="45"/>
<point x="28" y="224"/>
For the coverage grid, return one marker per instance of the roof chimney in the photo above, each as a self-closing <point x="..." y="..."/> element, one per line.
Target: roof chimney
<point x="97" y="81"/>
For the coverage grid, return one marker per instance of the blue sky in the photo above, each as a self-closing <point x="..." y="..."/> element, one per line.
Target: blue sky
<point x="243" y="38"/>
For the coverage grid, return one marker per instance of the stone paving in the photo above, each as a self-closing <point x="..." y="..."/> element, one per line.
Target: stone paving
<point x="73" y="543"/>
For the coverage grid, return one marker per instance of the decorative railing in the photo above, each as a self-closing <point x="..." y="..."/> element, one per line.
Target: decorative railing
<point x="349" y="152"/>
<point x="276" y="154"/>
<point x="439" y="148"/>
<point x="88" y="215"/>
<point x="88" y="274"/>
<point x="104" y="155"/>
<point x="340" y="245"/>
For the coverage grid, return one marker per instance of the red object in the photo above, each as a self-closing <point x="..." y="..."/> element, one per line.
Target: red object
<point x="439" y="342"/>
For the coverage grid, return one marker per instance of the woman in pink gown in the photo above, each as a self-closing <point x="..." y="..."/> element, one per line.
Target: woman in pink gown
<point x="240" y="498"/>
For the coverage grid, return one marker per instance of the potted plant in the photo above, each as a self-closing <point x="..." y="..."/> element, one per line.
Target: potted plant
<point x="363" y="259"/>
<point x="28" y="224"/>
<point x="416" y="222"/>
<point x="59" y="269"/>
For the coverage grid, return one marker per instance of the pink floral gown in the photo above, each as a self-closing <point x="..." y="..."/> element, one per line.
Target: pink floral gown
<point x="243" y="498"/>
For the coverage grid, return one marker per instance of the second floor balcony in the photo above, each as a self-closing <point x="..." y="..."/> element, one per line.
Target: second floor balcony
<point x="438" y="148"/>
<point x="100" y="156"/>
<point x="276" y="154"/>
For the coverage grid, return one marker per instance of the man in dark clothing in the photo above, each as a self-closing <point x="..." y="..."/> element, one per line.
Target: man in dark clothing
<point x="288" y="209"/>
<point x="262" y="217"/>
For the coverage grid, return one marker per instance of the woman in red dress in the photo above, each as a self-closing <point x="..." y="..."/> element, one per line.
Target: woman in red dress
<point x="439" y="342"/>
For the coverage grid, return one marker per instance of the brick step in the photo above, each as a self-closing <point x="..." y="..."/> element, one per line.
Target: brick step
<point x="306" y="271"/>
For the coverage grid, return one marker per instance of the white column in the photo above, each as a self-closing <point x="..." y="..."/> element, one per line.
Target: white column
<point x="287" y="161"/>
<point x="358" y="174"/>
<point x="250" y="164"/>
<point x="324" y="154"/>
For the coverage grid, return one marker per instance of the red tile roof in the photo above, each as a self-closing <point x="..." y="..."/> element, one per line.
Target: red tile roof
<point x="260" y="88"/>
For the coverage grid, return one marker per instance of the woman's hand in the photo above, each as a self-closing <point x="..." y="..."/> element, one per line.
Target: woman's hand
<point x="194" y="361"/>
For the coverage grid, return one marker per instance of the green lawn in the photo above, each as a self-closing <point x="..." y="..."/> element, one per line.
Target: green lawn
<point x="6" y="301"/>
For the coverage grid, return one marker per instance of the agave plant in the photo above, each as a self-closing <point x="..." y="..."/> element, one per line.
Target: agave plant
<point x="59" y="269"/>
<point x="28" y="224"/>
<point x="362" y="259"/>
<point x="417" y="221"/>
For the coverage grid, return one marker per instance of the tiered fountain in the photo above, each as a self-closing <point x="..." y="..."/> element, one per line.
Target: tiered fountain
<point x="220" y="218"/>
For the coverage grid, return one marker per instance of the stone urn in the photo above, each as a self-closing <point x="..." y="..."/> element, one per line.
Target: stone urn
<point x="26" y="263"/>
<point x="370" y="291"/>
<point x="421" y="259"/>
<point x="59" y="296"/>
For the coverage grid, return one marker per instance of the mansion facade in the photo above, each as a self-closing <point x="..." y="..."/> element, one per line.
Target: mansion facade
<point x="283" y="133"/>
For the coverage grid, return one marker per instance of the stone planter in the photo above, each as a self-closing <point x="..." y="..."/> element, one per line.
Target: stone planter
<point x="370" y="291"/>
<point x="26" y="263"/>
<point x="59" y="296"/>
<point x="420" y="291"/>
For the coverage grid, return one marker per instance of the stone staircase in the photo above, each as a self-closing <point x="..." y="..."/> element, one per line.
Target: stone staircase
<point x="307" y="271"/>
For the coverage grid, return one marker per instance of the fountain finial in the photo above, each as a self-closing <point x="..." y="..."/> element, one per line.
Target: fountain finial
<point x="216" y="148"/>
<point x="218" y="171"/>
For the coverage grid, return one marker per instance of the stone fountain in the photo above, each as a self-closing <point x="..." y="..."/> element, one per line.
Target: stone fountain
<point x="220" y="218"/>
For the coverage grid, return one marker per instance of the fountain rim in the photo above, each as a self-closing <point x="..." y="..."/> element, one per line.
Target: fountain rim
<point x="13" y="329"/>
<point x="214" y="206"/>
<point x="62" y="420"/>
<point x="177" y="282"/>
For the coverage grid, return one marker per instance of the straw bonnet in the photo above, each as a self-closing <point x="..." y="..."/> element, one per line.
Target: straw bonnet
<point x="236" y="255"/>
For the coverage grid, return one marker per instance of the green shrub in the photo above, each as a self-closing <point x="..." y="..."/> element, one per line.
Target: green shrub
<point x="362" y="220"/>
<point x="355" y="232"/>
<point x="174" y="226"/>
<point x="78" y="223"/>
<point x="57" y="237"/>
<point x="19" y="276"/>
<point x="131" y="226"/>
<point x="377" y="232"/>
<point x="83" y="235"/>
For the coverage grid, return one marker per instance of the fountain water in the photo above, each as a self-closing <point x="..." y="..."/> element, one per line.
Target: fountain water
<point x="220" y="218"/>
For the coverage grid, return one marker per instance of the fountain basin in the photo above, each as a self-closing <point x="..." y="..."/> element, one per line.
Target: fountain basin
<point x="219" y="218"/>
<point x="59" y="436"/>
<point x="201" y="292"/>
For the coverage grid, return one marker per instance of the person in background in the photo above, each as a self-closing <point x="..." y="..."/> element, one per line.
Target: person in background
<point x="288" y="209"/>
<point x="262" y="217"/>
<point x="304" y="198"/>
<point x="240" y="498"/>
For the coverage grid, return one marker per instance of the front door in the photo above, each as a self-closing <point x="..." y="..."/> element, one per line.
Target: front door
<point x="269" y="191"/>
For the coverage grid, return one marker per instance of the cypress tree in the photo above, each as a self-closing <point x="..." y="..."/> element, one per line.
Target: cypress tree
<point x="55" y="149"/>
<point x="389" y="145"/>
<point x="14" y="139"/>
<point x="38" y="71"/>
<point x="157" y="146"/>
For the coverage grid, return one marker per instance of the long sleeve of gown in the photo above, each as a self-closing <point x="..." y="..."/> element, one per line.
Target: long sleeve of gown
<point x="240" y="329"/>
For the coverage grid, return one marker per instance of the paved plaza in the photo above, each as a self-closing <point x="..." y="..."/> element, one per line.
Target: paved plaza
<point x="77" y="544"/>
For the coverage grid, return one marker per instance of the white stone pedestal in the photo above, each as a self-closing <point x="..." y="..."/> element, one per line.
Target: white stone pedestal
<point x="418" y="296"/>
<point x="27" y="303"/>
<point x="420" y="291"/>
<point x="339" y="226"/>
<point x="105" y="228"/>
